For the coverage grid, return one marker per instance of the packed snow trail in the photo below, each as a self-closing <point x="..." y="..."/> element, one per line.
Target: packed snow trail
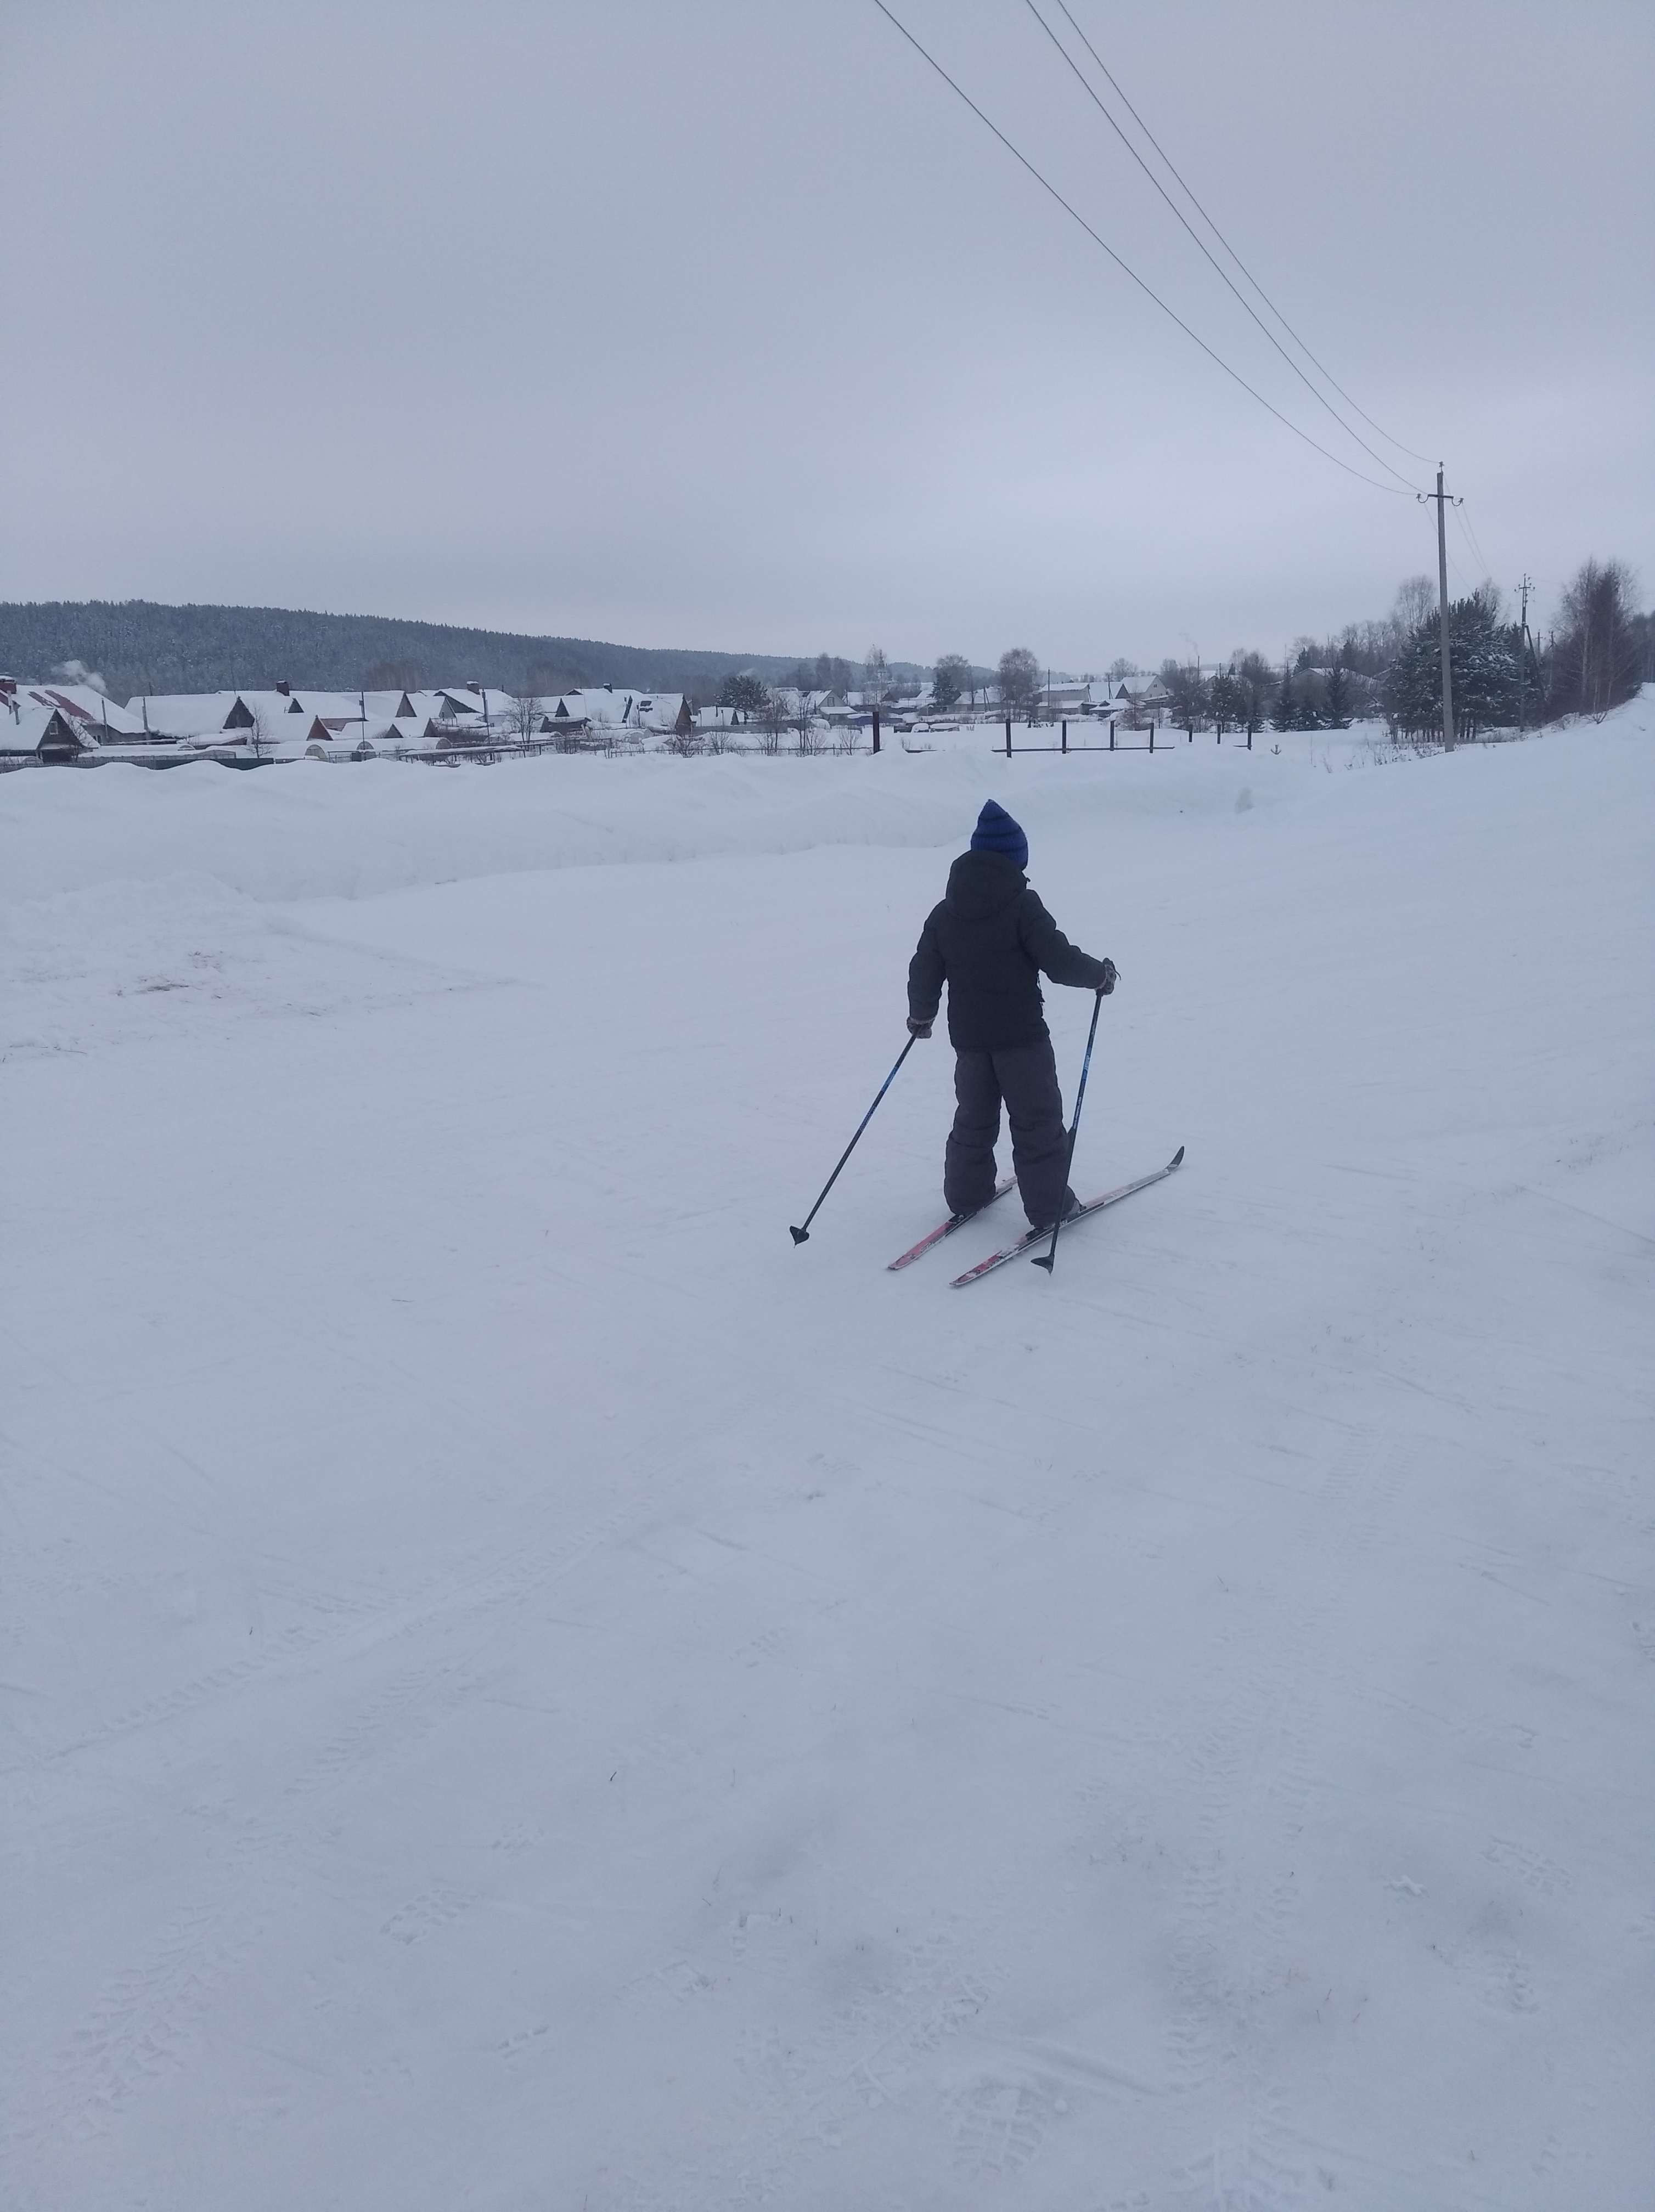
<point x="528" y="1691"/>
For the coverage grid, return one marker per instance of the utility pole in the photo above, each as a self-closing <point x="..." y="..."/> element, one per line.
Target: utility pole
<point x="1527" y="649"/>
<point x="1443" y="503"/>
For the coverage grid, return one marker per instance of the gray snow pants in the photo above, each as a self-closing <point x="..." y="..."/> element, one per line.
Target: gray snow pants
<point x="1026" y="1076"/>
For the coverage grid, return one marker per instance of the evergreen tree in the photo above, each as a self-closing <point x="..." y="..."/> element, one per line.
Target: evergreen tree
<point x="1283" y="717"/>
<point x="746" y="693"/>
<point x="1485" y="656"/>
<point x="1227" y="700"/>
<point x="1338" y="696"/>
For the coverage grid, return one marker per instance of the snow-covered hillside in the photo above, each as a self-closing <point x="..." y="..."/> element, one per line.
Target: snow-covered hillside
<point x="528" y="1691"/>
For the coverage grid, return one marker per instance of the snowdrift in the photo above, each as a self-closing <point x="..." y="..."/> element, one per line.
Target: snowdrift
<point x="305" y="828"/>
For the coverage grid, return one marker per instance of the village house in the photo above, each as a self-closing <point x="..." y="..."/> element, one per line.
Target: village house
<point x="803" y="706"/>
<point x="597" y="710"/>
<point x="61" y="723"/>
<point x="46" y="735"/>
<point x="1141" y="699"/>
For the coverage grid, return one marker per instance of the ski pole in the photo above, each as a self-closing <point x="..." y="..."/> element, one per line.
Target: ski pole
<point x="799" y="1235"/>
<point x="1046" y="1258"/>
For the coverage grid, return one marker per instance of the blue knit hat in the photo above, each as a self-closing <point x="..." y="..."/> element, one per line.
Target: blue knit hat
<point x="996" y="832"/>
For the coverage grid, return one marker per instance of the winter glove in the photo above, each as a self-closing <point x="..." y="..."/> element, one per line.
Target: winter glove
<point x="1110" y="978"/>
<point x="920" y="1029"/>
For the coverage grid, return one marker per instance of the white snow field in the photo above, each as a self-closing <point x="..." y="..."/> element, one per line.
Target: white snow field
<point x="528" y="1691"/>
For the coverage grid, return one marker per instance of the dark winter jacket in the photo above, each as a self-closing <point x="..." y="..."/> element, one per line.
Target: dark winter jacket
<point x="991" y="940"/>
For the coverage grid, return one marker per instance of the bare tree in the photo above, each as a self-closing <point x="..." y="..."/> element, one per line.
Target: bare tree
<point x="1191" y="702"/>
<point x="1597" y="658"/>
<point x="876" y="671"/>
<point x="1255" y="679"/>
<point x="265" y="729"/>
<point x="1416" y="599"/>
<point x="522" y="718"/>
<point x="772" y="721"/>
<point x="1019" y="679"/>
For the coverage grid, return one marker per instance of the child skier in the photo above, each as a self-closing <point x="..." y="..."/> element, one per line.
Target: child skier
<point x="990" y="939"/>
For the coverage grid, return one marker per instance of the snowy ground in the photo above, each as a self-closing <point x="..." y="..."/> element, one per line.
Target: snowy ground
<point x="528" y="1691"/>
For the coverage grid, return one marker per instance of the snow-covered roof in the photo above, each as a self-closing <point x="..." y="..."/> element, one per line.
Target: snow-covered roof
<point x="445" y="703"/>
<point x="337" y="706"/>
<point x="84" y="703"/>
<point x="609" y="709"/>
<point x="196" y="714"/>
<point x="34" y="724"/>
<point x="657" y="710"/>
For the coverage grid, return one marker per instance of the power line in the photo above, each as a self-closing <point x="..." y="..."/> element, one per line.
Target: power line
<point x="1472" y="540"/>
<point x="1231" y="250"/>
<point x="1046" y="185"/>
<point x="1466" y="534"/>
<point x="1202" y="247"/>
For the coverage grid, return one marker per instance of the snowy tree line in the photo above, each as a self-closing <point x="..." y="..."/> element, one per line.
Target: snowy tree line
<point x="139" y="646"/>
<point x="1595" y="655"/>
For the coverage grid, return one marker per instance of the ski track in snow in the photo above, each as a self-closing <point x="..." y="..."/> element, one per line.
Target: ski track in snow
<point x="526" y="1691"/>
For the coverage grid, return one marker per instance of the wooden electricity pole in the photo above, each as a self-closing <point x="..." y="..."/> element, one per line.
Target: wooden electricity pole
<point x="1443" y="505"/>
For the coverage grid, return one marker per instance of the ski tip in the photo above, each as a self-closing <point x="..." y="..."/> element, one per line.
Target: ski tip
<point x="800" y="1236"/>
<point x="1177" y="1160"/>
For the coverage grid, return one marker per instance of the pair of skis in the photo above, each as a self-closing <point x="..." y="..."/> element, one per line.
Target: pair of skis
<point x="1024" y="1245"/>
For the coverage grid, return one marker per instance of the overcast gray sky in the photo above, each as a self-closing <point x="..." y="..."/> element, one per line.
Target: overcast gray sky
<point x="724" y="324"/>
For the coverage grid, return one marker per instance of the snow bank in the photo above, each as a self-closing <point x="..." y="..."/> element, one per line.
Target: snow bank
<point x="309" y="828"/>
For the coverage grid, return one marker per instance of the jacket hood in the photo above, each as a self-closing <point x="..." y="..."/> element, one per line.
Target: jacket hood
<point x="982" y="883"/>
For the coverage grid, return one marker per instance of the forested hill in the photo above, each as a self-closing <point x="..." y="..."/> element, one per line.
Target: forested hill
<point x="136" y="645"/>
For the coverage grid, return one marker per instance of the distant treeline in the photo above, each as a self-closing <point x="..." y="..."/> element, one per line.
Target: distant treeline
<point x="1595" y="652"/>
<point x="137" y="645"/>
